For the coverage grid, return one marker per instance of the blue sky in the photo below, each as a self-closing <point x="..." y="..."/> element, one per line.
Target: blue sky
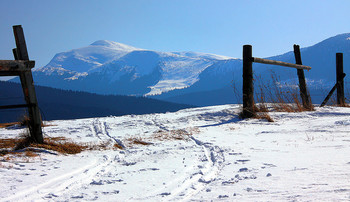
<point x="211" y="26"/>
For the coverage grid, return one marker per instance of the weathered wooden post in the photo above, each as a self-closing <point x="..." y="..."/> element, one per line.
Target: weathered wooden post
<point x="21" y="53"/>
<point x="332" y="91"/>
<point x="248" y="88"/>
<point x="340" y="80"/>
<point x="302" y="84"/>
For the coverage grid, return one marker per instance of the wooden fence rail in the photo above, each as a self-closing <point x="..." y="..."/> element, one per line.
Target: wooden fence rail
<point x="279" y="63"/>
<point x="248" y="87"/>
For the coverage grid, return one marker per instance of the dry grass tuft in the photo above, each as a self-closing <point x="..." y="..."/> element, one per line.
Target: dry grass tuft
<point x="281" y="98"/>
<point x="118" y="146"/>
<point x="58" y="144"/>
<point x="137" y="141"/>
<point x="30" y="153"/>
<point x="180" y="134"/>
<point x="65" y="147"/>
<point x="9" y="142"/>
<point x="24" y="120"/>
<point x="264" y="116"/>
<point x="5" y="125"/>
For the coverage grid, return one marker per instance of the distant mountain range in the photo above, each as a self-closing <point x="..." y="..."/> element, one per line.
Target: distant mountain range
<point x="107" y="67"/>
<point x="56" y="104"/>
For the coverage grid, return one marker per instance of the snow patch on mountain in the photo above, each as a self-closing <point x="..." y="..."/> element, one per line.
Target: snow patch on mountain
<point x="179" y="73"/>
<point x="202" y="55"/>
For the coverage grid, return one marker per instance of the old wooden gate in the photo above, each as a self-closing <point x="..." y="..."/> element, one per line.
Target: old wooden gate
<point x="21" y="67"/>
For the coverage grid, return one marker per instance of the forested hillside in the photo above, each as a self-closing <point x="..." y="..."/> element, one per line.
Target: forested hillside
<point x="62" y="104"/>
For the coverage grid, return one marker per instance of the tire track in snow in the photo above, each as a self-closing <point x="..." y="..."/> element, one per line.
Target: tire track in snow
<point x="96" y="129"/>
<point x="199" y="180"/>
<point x="119" y="142"/>
<point x="100" y="130"/>
<point x="57" y="186"/>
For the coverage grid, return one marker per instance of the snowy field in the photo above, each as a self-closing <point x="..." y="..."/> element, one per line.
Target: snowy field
<point x="199" y="154"/>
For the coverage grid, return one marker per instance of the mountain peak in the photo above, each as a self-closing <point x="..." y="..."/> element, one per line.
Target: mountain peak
<point x="114" y="45"/>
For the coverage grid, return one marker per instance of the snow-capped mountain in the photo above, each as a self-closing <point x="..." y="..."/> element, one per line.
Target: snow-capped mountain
<point x="107" y="67"/>
<point x="85" y="59"/>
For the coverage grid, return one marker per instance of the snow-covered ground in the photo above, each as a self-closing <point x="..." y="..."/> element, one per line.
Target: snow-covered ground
<point x="299" y="157"/>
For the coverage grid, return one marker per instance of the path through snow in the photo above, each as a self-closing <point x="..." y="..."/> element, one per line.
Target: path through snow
<point x="300" y="156"/>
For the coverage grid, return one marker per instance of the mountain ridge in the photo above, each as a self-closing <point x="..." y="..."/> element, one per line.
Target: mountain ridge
<point x="127" y="70"/>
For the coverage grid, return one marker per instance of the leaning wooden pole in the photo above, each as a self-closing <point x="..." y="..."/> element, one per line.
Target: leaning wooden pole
<point x="302" y="83"/>
<point x="340" y="80"/>
<point x="332" y="91"/>
<point x="248" y="88"/>
<point x="26" y="77"/>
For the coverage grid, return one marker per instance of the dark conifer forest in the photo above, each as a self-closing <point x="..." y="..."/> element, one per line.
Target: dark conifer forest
<point x="56" y="104"/>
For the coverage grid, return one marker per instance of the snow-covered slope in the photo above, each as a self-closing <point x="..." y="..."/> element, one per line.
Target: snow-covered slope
<point x="201" y="154"/>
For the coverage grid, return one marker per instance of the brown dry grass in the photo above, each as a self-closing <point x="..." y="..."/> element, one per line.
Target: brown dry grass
<point x="160" y="135"/>
<point x="5" y="125"/>
<point x="118" y="146"/>
<point x="264" y="116"/>
<point x="57" y="144"/>
<point x="281" y="98"/>
<point x="273" y="96"/>
<point x="137" y="141"/>
<point x="180" y="134"/>
<point x="31" y="154"/>
<point x="9" y="142"/>
<point x="65" y="147"/>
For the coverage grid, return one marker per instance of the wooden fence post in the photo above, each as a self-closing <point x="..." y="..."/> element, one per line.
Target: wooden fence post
<point x="340" y="80"/>
<point x="302" y="84"/>
<point x="248" y="88"/>
<point x="331" y="92"/>
<point x="21" y="53"/>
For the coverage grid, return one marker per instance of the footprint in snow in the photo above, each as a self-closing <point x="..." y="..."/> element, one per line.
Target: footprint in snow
<point x="243" y="170"/>
<point x="110" y="193"/>
<point x="51" y="195"/>
<point x="223" y="196"/>
<point x="243" y="161"/>
<point x="77" y="197"/>
<point x="235" y="154"/>
<point x="96" y="183"/>
<point x="165" y="194"/>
